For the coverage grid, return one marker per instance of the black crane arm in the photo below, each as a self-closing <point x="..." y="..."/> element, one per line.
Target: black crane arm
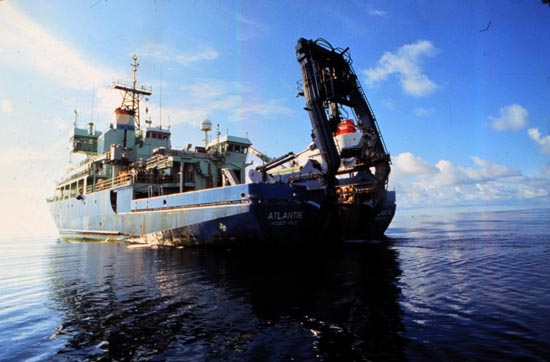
<point x="330" y="83"/>
<point x="308" y="54"/>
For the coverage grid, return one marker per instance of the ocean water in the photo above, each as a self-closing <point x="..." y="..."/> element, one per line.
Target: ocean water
<point x="458" y="287"/>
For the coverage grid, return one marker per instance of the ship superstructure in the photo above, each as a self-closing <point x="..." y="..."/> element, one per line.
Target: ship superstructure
<point x="143" y="156"/>
<point x="132" y="184"/>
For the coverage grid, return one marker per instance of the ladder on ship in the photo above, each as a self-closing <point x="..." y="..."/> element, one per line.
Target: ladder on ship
<point x="229" y="177"/>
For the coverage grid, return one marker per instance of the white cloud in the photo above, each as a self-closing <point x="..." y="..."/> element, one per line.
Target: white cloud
<point x="209" y="98"/>
<point x="248" y="28"/>
<point x="406" y="164"/>
<point x="446" y="173"/>
<point x="265" y="110"/>
<point x="388" y="103"/>
<point x="449" y="174"/>
<point x="484" y="171"/>
<point x="24" y="44"/>
<point x="166" y="53"/>
<point x="7" y="106"/>
<point x="419" y="183"/>
<point x="424" y="112"/>
<point x="376" y="12"/>
<point x="542" y="141"/>
<point x="405" y="64"/>
<point x="510" y="118"/>
<point x="106" y="100"/>
<point x="489" y="170"/>
<point x="15" y="157"/>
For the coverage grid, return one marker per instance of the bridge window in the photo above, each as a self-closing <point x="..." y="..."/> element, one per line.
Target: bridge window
<point x="157" y="135"/>
<point x="236" y="148"/>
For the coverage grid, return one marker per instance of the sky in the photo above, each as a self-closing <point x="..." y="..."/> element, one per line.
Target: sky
<point x="460" y="89"/>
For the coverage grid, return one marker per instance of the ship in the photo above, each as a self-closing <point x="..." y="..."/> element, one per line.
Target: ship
<point x="132" y="184"/>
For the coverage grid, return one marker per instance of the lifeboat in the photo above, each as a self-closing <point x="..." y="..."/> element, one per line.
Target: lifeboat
<point x="347" y="137"/>
<point x="346" y="126"/>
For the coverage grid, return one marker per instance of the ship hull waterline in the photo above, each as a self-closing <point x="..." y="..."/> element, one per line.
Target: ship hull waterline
<point x="252" y="214"/>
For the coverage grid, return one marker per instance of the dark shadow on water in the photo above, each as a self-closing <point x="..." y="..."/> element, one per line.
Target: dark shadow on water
<point x="331" y="304"/>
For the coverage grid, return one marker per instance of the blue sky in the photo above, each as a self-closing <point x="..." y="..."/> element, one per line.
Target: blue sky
<point x="461" y="89"/>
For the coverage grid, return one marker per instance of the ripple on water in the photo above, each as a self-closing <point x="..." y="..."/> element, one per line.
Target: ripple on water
<point x="473" y="287"/>
<point x="479" y="284"/>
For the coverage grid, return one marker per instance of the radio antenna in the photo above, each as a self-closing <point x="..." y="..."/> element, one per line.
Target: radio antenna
<point x="93" y="98"/>
<point x="160" y="101"/>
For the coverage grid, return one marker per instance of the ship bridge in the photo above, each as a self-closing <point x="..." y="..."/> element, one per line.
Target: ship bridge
<point x="157" y="133"/>
<point x="152" y="138"/>
<point x="229" y="144"/>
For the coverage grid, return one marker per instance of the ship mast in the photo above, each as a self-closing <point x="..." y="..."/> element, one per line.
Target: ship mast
<point x="131" y="93"/>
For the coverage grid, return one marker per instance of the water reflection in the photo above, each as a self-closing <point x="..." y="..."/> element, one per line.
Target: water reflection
<point x="171" y="304"/>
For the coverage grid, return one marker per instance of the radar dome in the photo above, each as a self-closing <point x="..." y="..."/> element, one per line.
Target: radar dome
<point x="206" y="125"/>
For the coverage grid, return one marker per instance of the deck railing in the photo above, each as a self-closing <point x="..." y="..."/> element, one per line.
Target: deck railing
<point x="129" y="179"/>
<point x="105" y="184"/>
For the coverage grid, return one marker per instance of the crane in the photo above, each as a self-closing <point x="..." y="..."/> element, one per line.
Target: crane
<point x="332" y="90"/>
